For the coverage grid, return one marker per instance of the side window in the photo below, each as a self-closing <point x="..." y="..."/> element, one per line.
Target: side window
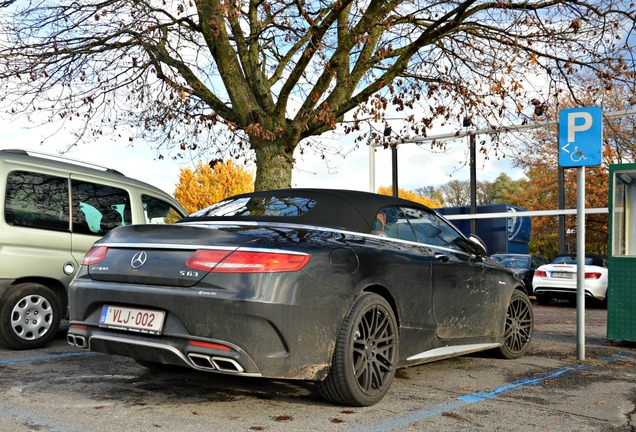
<point x="157" y="211"/>
<point x="97" y="209"/>
<point x="433" y="230"/>
<point x="392" y="222"/>
<point x="37" y="201"/>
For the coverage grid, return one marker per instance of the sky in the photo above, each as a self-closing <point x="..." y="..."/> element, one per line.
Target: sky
<point x="418" y="166"/>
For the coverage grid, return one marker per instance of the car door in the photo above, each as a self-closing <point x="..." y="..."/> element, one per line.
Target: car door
<point x="410" y="266"/>
<point x="466" y="293"/>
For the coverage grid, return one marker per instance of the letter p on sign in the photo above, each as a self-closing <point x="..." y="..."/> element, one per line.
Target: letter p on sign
<point x="578" y="122"/>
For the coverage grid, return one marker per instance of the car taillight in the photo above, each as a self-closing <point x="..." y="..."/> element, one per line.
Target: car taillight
<point x="224" y="261"/>
<point x="593" y="275"/>
<point x="95" y="255"/>
<point x="540" y="273"/>
<point x="206" y="259"/>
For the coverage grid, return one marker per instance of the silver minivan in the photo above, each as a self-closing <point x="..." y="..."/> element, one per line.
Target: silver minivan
<point x="52" y="211"/>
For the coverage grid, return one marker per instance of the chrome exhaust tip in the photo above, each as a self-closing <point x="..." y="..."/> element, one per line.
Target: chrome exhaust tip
<point x="201" y="361"/>
<point x="225" y="364"/>
<point x="77" y="341"/>
<point x="221" y="364"/>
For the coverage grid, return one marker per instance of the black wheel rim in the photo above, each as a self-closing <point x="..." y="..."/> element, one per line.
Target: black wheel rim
<point x="518" y="325"/>
<point x="374" y="351"/>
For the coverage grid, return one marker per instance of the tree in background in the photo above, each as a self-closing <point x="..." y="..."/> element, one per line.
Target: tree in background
<point x="274" y="73"/>
<point x="456" y="193"/>
<point x="409" y="195"/>
<point x="504" y="190"/>
<point x="210" y="183"/>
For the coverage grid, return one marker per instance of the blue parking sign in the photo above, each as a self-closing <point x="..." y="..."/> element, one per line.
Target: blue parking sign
<point x="580" y="137"/>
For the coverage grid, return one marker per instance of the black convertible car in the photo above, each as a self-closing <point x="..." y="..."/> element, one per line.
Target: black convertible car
<point x="339" y="287"/>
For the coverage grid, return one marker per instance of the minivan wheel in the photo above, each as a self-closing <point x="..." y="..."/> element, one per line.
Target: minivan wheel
<point x="29" y="316"/>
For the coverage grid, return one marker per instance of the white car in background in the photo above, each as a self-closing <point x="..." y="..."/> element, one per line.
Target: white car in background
<point x="557" y="280"/>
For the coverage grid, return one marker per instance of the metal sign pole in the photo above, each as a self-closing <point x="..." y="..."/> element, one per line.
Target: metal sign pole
<point x="580" y="264"/>
<point x="580" y="145"/>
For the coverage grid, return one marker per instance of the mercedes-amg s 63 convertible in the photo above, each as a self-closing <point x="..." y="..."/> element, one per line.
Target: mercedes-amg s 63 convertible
<point x="333" y="286"/>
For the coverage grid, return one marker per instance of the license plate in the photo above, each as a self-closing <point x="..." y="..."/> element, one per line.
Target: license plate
<point x="562" y="275"/>
<point x="138" y="320"/>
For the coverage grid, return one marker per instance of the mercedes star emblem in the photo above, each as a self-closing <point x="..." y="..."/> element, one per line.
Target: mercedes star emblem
<point x="138" y="259"/>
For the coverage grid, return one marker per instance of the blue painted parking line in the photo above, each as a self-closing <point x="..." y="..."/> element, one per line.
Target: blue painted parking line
<point x="44" y="357"/>
<point x="463" y="401"/>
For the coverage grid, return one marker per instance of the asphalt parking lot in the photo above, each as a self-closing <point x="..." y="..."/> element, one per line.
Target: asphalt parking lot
<point x="61" y="389"/>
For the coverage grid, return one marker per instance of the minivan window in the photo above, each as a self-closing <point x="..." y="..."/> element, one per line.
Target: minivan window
<point x="98" y="208"/>
<point x="157" y="211"/>
<point x="36" y="201"/>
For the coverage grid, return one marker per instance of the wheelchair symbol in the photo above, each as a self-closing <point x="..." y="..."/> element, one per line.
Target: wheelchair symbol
<point x="576" y="155"/>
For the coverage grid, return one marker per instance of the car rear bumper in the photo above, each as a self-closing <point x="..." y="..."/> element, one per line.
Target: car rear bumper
<point x="173" y="351"/>
<point x="595" y="291"/>
<point x="276" y="337"/>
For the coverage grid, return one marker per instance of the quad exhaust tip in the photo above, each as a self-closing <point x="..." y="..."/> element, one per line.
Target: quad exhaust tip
<point x="77" y="341"/>
<point x="220" y="364"/>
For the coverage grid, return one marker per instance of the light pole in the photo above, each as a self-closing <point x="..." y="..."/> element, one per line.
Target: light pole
<point x="473" y="175"/>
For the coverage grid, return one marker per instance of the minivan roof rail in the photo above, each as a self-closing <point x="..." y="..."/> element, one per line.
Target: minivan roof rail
<point x="60" y="158"/>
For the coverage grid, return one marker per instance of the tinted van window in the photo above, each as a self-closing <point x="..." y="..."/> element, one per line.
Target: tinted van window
<point x="97" y="208"/>
<point x="157" y="211"/>
<point x="37" y="201"/>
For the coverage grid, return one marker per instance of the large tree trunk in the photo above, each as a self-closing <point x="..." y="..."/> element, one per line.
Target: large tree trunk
<point x="274" y="163"/>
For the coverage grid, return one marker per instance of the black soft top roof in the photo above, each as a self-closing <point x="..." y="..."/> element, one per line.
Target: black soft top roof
<point x="335" y="208"/>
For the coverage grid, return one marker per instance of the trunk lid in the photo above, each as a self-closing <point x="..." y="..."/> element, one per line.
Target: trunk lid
<point x="157" y="254"/>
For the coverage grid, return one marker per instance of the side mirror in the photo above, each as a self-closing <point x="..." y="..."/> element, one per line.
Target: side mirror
<point x="478" y="245"/>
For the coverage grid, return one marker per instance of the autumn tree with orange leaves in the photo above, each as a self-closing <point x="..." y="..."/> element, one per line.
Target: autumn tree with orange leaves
<point x="409" y="195"/>
<point x="210" y="183"/>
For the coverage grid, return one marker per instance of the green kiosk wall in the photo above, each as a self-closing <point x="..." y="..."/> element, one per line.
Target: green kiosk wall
<point x="621" y="301"/>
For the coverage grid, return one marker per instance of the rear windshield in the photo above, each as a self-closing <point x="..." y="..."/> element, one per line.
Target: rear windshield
<point x="258" y="206"/>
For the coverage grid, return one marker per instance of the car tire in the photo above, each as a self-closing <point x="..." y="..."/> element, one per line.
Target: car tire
<point x="518" y="326"/>
<point x="29" y="316"/>
<point x="366" y="353"/>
